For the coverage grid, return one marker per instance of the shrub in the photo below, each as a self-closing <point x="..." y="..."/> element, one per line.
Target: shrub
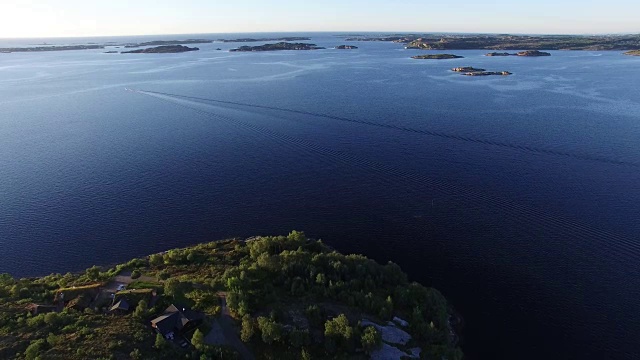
<point x="135" y="274"/>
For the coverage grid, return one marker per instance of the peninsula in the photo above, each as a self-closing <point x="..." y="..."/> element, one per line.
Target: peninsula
<point x="165" y="49"/>
<point x="437" y="56"/>
<point x="282" y="297"/>
<point x="277" y="47"/>
<point x="509" y="42"/>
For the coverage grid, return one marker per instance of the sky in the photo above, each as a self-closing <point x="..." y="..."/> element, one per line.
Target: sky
<point x="78" y="18"/>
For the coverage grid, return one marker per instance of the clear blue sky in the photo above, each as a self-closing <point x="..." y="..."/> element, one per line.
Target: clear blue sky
<point x="40" y="18"/>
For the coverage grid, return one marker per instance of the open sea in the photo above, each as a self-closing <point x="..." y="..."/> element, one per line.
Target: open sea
<point x="517" y="197"/>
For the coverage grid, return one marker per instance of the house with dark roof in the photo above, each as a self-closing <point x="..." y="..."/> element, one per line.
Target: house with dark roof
<point x="176" y="321"/>
<point x="122" y="306"/>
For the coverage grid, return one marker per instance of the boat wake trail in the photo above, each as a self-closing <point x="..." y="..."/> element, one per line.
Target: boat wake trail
<point x="569" y="231"/>
<point x="444" y="135"/>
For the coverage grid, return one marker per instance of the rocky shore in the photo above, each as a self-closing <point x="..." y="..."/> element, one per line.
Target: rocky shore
<point x="487" y="73"/>
<point x="633" y="53"/>
<point x="346" y="47"/>
<point x="466" y="69"/>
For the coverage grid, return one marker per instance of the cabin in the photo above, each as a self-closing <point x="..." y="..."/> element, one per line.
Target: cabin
<point x="176" y="321"/>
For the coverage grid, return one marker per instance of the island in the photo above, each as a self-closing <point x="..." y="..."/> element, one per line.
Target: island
<point x="272" y="297"/>
<point x="51" y="48"/>
<point x="277" y="47"/>
<point x="509" y="42"/>
<point x="487" y="73"/>
<point x="290" y="38"/>
<point x="633" y="53"/>
<point x="530" y="53"/>
<point x="346" y="47"/>
<point x="111" y="52"/>
<point x="169" y="42"/>
<point x="437" y="56"/>
<point x="165" y="49"/>
<point x="466" y="69"/>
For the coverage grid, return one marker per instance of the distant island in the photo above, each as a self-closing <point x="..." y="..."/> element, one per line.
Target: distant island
<point x="509" y="42"/>
<point x="437" y="56"/>
<point x="51" y="48"/>
<point x="281" y="297"/>
<point x="169" y="42"/>
<point x="165" y="49"/>
<point x="531" y="53"/>
<point x="291" y="38"/>
<point x="278" y="46"/>
<point x="633" y="53"/>
<point x="346" y="47"/>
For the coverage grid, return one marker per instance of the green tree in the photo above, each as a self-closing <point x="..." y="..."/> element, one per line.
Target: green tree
<point x="160" y="343"/>
<point x="156" y="260"/>
<point x="305" y="355"/>
<point x="141" y="309"/>
<point x="248" y="328"/>
<point x="135" y="274"/>
<point x="271" y="331"/>
<point x="33" y="350"/>
<point x="136" y="354"/>
<point x="53" y="339"/>
<point x="197" y="340"/>
<point x="371" y="339"/>
<point x="171" y="287"/>
<point x="338" y="330"/>
<point x="93" y="273"/>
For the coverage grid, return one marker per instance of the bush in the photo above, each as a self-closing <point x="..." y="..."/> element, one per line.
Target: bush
<point x="248" y="328"/>
<point x="33" y="350"/>
<point x="135" y="274"/>
<point x="271" y="331"/>
<point x="371" y="339"/>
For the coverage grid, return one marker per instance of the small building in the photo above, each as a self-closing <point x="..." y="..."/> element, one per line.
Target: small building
<point x="176" y="321"/>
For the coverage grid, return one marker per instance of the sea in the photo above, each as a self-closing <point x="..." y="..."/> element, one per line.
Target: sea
<point x="518" y="197"/>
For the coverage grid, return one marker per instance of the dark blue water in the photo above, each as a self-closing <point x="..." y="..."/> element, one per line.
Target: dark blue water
<point x="518" y="197"/>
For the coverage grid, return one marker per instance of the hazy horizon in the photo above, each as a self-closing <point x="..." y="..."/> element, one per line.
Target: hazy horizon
<point x="75" y="18"/>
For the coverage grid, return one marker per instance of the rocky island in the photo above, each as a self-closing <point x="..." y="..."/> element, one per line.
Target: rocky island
<point x="168" y="42"/>
<point x="467" y="69"/>
<point x="346" y="47"/>
<point x="281" y="297"/>
<point x="530" y="53"/>
<point x="633" y="53"/>
<point x="487" y="73"/>
<point x="277" y="47"/>
<point x="165" y="49"/>
<point x="437" y="56"/>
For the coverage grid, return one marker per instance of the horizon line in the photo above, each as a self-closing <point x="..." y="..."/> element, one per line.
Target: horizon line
<point x="350" y="32"/>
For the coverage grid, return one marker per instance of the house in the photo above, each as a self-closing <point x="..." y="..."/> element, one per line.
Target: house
<point x="122" y="306"/>
<point x="176" y="321"/>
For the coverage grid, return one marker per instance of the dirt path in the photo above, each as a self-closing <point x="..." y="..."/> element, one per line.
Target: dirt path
<point x="226" y="324"/>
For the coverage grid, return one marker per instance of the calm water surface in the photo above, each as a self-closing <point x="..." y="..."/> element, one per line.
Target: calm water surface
<point x="518" y="197"/>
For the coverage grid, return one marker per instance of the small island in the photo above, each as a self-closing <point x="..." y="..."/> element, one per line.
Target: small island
<point x="437" y="56"/>
<point x="633" y="53"/>
<point x="530" y="53"/>
<point x="277" y="47"/>
<point x="111" y="52"/>
<point x="165" y="49"/>
<point x="466" y="69"/>
<point x="275" y="297"/>
<point x="346" y="47"/>
<point x="487" y="73"/>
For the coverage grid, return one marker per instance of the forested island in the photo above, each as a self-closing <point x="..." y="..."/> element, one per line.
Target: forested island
<point x="277" y="47"/>
<point x="510" y="42"/>
<point x="284" y="297"/>
<point x="437" y="56"/>
<point x="165" y="49"/>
